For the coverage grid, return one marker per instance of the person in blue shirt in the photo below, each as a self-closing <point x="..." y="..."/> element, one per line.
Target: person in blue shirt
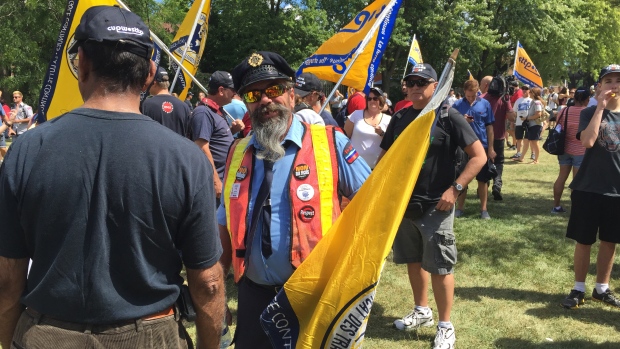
<point x="262" y="251"/>
<point x="237" y="109"/>
<point x="479" y="114"/>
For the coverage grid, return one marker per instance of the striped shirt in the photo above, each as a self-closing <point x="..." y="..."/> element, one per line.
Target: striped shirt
<point x="572" y="145"/>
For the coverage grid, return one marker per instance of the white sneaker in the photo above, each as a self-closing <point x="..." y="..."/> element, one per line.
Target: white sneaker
<point x="445" y="338"/>
<point x="414" y="320"/>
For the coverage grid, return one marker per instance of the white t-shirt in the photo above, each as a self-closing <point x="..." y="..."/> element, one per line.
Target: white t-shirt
<point x="551" y="102"/>
<point x="364" y="138"/>
<point x="309" y="116"/>
<point x="451" y="100"/>
<point x="521" y="107"/>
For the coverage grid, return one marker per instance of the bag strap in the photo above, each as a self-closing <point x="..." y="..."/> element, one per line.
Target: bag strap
<point x="565" y="113"/>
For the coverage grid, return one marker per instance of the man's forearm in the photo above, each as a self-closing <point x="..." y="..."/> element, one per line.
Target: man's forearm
<point x="12" y="282"/>
<point x="490" y="136"/>
<point x="208" y="294"/>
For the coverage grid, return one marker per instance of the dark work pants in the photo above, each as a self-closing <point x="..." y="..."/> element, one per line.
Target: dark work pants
<point x="498" y="146"/>
<point x="35" y="331"/>
<point x="252" y="301"/>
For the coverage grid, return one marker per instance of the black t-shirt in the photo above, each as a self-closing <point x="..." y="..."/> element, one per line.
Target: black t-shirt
<point x="600" y="170"/>
<point x="170" y="112"/>
<point x="103" y="202"/>
<point x="438" y="172"/>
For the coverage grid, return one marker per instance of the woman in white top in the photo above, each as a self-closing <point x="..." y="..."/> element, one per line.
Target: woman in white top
<point x="366" y="127"/>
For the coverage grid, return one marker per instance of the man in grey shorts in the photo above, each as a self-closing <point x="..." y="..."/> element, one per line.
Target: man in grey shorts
<point x="425" y="240"/>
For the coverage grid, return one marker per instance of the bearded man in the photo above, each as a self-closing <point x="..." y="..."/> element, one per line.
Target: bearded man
<point x="272" y="206"/>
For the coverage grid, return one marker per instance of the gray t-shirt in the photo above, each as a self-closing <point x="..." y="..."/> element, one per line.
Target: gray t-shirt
<point x="600" y="170"/>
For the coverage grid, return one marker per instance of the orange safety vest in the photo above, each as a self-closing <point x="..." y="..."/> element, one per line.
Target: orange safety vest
<point x="313" y="193"/>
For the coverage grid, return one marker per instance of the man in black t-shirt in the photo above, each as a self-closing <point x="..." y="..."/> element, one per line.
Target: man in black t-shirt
<point x="425" y="240"/>
<point x="165" y="108"/>
<point x="115" y="196"/>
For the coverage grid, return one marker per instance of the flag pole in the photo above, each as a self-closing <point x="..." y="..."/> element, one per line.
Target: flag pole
<point x="165" y="49"/>
<point x="407" y="62"/>
<point x="363" y="45"/>
<point x="514" y="66"/>
<point x="189" y="40"/>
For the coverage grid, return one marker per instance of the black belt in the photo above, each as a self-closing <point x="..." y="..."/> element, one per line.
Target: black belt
<point x="272" y="288"/>
<point x="90" y="328"/>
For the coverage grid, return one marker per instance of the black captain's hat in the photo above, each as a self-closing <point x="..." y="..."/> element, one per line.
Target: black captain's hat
<point x="261" y="66"/>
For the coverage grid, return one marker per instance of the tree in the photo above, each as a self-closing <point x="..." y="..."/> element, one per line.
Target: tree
<point x="30" y="31"/>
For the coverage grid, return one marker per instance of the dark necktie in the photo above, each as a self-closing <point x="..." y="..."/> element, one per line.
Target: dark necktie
<point x="262" y="210"/>
<point x="266" y="234"/>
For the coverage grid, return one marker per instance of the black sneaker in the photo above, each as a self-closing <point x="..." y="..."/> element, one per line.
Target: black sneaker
<point x="574" y="299"/>
<point x="606" y="297"/>
<point x="497" y="195"/>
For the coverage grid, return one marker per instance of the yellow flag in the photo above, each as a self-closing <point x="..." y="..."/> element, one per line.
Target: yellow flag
<point x="60" y="92"/>
<point x="524" y="69"/>
<point x="469" y="75"/>
<point x="364" y="33"/>
<point x="327" y="300"/>
<point x="196" y="43"/>
<point x="415" y="55"/>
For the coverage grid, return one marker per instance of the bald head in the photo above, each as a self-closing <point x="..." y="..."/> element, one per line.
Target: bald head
<point x="484" y="83"/>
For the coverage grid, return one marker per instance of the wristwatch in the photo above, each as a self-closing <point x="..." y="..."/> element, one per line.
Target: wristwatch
<point x="458" y="187"/>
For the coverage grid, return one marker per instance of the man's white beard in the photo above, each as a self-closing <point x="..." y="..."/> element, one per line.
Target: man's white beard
<point x="268" y="133"/>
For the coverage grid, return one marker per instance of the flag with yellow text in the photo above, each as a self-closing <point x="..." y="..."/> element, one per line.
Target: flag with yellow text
<point x="197" y="42"/>
<point x="60" y="92"/>
<point x="326" y="303"/>
<point x="363" y="34"/>
<point x="524" y="69"/>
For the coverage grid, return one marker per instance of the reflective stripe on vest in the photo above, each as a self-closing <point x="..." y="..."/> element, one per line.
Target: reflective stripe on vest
<point x="313" y="193"/>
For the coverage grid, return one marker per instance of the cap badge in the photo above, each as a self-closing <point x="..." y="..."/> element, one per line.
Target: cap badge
<point x="255" y="60"/>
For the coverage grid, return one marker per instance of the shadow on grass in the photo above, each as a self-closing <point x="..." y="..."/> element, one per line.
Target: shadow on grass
<point x="509" y="343"/>
<point x="381" y="326"/>
<point x="588" y="313"/>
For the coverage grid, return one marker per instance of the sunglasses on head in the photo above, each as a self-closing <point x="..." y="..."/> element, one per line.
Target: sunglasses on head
<point x="254" y="96"/>
<point x="372" y="98"/>
<point x="419" y="83"/>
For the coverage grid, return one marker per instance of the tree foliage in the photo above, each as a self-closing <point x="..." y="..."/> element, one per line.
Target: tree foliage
<point x="570" y="39"/>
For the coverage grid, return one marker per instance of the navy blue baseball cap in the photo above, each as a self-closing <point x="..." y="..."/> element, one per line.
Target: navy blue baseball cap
<point x="423" y="70"/>
<point x="612" y="68"/>
<point x="261" y="66"/>
<point x="114" y="25"/>
<point x="161" y="75"/>
<point x="221" y="78"/>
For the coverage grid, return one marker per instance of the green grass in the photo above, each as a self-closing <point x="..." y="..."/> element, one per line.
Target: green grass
<point x="511" y="275"/>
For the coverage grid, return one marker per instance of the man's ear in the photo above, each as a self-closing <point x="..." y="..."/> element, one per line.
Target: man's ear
<point x="291" y="95"/>
<point x="84" y="65"/>
<point x="151" y="76"/>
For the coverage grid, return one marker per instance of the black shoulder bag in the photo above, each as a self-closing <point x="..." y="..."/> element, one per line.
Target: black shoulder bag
<point x="554" y="144"/>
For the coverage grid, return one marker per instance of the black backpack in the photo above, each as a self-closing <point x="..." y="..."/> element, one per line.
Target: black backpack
<point x="497" y="87"/>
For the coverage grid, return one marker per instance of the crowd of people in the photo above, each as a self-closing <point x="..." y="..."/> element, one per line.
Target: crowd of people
<point x="232" y="181"/>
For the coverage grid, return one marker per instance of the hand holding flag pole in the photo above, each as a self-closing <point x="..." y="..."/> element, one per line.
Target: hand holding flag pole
<point x="335" y="286"/>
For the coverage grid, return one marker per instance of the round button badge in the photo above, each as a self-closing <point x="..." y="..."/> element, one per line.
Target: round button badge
<point x="305" y="192"/>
